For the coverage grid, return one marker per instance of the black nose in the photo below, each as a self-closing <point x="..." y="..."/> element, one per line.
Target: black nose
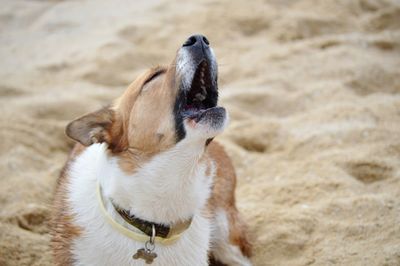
<point x="197" y="40"/>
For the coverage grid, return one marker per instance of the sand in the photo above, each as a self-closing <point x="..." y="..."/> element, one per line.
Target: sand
<point x="312" y="88"/>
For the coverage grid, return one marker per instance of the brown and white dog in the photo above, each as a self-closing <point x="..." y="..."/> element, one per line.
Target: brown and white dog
<point x="146" y="179"/>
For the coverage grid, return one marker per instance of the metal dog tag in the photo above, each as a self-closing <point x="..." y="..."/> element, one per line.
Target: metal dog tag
<point x="147" y="253"/>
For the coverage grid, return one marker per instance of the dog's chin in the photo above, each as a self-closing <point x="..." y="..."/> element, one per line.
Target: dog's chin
<point x="208" y="124"/>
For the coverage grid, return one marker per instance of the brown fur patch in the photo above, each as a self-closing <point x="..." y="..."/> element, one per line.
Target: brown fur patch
<point x="146" y="114"/>
<point x="152" y="115"/>
<point x="223" y="196"/>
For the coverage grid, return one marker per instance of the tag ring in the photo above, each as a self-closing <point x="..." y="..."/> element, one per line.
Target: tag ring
<point x="150" y="245"/>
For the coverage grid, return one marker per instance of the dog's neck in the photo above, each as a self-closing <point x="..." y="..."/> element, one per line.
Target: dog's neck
<point x="172" y="186"/>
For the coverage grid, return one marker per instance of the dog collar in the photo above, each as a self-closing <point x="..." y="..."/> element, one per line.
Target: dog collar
<point x="165" y="235"/>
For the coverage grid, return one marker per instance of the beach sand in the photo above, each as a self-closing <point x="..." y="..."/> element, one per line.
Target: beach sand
<point x="312" y="88"/>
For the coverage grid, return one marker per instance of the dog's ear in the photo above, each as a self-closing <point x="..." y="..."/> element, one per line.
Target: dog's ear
<point x="92" y="128"/>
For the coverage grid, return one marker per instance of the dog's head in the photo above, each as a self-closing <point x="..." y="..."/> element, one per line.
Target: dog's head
<point x="162" y="107"/>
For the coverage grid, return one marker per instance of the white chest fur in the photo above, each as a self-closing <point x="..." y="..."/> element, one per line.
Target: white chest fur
<point x="171" y="187"/>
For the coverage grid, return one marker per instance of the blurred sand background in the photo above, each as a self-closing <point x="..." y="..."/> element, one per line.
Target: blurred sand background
<point x="313" y="89"/>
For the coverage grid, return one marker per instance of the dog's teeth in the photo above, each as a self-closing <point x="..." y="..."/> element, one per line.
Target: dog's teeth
<point x="200" y="97"/>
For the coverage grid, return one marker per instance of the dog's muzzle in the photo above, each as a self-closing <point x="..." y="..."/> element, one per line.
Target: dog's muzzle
<point x="197" y="73"/>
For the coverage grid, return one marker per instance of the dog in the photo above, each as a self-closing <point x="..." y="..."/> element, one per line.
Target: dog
<point x="146" y="183"/>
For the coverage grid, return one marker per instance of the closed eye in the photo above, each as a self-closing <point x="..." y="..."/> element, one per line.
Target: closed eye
<point x="154" y="75"/>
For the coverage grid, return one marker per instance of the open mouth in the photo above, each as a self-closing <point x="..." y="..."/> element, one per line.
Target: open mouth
<point x="202" y="95"/>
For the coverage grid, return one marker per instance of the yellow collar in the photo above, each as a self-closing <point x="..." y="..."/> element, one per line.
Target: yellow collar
<point x="140" y="237"/>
